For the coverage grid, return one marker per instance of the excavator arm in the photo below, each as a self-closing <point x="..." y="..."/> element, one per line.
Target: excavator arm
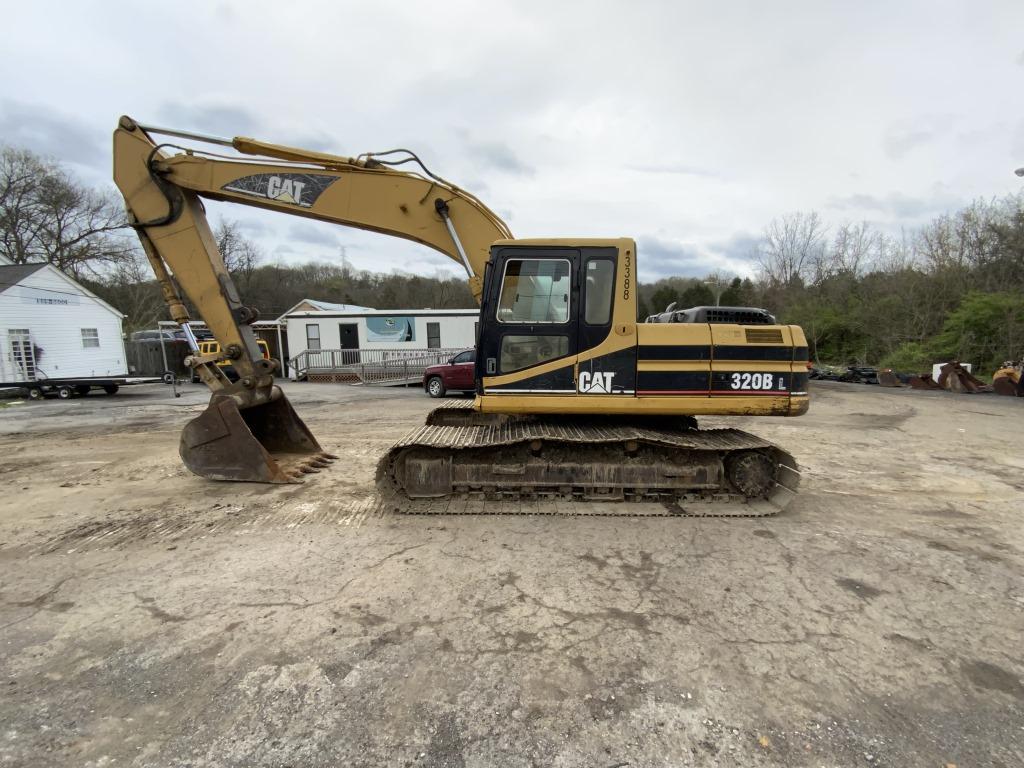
<point x="250" y="431"/>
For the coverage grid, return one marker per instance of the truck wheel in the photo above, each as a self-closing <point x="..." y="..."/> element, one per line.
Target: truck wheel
<point x="35" y="393"/>
<point x="64" y="392"/>
<point x="82" y="390"/>
<point x="110" y="389"/>
<point x="435" y="387"/>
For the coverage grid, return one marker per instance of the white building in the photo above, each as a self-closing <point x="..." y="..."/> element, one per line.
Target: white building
<point x="391" y="331"/>
<point x="53" y="328"/>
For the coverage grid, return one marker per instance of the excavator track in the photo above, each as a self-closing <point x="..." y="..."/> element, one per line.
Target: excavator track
<point x="512" y="462"/>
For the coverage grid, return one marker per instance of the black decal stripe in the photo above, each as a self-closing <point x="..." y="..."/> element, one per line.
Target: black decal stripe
<point x="674" y="352"/>
<point x="752" y="352"/>
<point x="673" y="381"/>
<point x="559" y="379"/>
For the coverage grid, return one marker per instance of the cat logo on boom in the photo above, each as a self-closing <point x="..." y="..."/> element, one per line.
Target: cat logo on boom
<point x="301" y="189"/>
<point x="285" y="190"/>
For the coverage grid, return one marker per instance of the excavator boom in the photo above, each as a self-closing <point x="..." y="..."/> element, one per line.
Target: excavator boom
<point x="250" y="431"/>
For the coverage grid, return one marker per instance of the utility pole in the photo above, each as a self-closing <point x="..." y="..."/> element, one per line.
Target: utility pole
<point x="717" y="284"/>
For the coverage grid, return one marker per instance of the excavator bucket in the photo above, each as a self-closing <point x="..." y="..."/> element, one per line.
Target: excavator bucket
<point x="265" y="443"/>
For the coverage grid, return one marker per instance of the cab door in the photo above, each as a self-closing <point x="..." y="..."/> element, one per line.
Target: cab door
<point x="529" y="331"/>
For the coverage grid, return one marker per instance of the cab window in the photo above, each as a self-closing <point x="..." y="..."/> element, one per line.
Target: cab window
<point x="518" y="352"/>
<point x="534" y="291"/>
<point x="463" y="357"/>
<point x="598" y="292"/>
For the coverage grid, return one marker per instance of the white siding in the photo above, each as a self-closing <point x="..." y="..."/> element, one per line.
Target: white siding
<point x="55" y="310"/>
<point x="457" y="331"/>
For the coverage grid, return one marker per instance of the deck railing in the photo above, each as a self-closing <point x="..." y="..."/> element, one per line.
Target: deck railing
<point x="370" y="366"/>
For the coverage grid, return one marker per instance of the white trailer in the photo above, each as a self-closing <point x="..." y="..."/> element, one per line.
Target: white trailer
<point x="360" y="335"/>
<point x="55" y="335"/>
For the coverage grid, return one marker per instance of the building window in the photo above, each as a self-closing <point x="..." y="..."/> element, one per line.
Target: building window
<point x="90" y="337"/>
<point x="312" y="336"/>
<point x="534" y="291"/>
<point x="433" y="335"/>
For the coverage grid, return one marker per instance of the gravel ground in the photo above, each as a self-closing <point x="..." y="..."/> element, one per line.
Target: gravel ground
<point x="150" y="618"/>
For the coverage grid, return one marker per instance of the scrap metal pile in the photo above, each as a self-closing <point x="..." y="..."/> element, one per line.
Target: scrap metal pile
<point x="952" y="377"/>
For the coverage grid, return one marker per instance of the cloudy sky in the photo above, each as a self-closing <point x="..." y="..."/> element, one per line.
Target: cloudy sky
<point x="687" y="125"/>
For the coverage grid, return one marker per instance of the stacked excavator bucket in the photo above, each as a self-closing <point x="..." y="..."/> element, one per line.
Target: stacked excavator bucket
<point x="953" y="377"/>
<point x="956" y="378"/>
<point x="888" y="378"/>
<point x="1009" y="380"/>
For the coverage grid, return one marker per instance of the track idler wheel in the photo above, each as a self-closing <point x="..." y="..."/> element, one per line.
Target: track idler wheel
<point x="266" y="443"/>
<point x="752" y="473"/>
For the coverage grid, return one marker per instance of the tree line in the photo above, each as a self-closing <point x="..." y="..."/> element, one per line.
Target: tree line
<point x="951" y="289"/>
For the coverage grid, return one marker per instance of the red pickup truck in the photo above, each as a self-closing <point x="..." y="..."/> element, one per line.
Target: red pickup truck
<point x="456" y="374"/>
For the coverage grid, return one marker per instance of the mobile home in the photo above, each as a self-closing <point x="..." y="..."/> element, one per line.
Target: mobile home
<point x="52" y="328"/>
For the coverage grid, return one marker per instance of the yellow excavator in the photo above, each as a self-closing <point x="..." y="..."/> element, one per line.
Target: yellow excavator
<point x="574" y="398"/>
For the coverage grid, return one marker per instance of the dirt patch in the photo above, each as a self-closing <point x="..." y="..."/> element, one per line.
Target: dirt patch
<point x="151" y="618"/>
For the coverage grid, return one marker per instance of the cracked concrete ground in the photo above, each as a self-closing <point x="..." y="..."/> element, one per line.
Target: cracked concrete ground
<point x="149" y="618"/>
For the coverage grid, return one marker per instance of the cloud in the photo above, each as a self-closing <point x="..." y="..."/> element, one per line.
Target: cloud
<point x="491" y="153"/>
<point x="740" y="247"/>
<point x="896" y="204"/>
<point x="221" y="120"/>
<point x="657" y="257"/>
<point x="660" y="258"/>
<point x="253" y="227"/>
<point x="305" y="232"/>
<point x="46" y="131"/>
<point x="583" y="142"/>
<point x="1018" y="140"/>
<point x="498" y="155"/>
<point x="899" y="143"/>
<point x="908" y="135"/>
<point x="681" y="169"/>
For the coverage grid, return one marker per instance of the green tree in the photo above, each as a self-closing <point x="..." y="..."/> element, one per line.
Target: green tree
<point x="662" y="297"/>
<point x="733" y="295"/>
<point x="697" y="295"/>
<point x="986" y="329"/>
<point x="641" y="307"/>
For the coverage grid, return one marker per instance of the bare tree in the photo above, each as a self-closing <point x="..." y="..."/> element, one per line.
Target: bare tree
<point x="47" y="215"/>
<point x="854" y="247"/>
<point x="790" y="248"/>
<point x="131" y="288"/>
<point x="241" y="255"/>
